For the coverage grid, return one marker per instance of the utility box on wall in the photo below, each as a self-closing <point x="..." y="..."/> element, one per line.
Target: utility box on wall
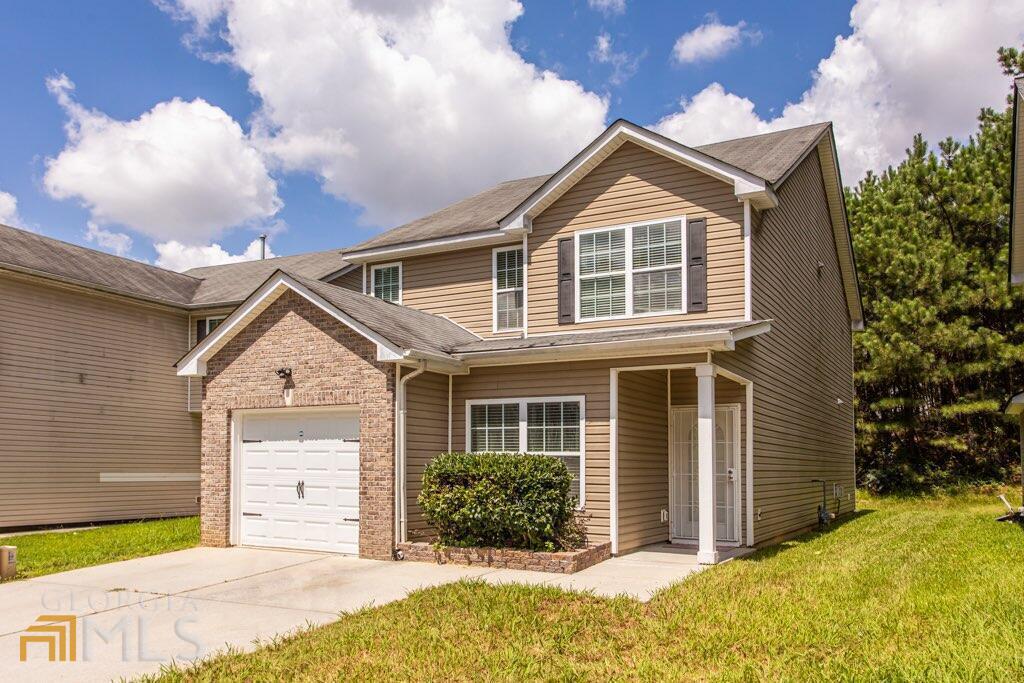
<point x="8" y="562"/>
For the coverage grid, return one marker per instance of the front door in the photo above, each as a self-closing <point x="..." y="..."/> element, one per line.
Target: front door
<point x="684" y="502"/>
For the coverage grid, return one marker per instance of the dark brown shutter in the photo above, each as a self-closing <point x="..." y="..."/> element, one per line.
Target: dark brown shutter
<point x="697" y="265"/>
<point x="200" y="330"/>
<point x="566" y="281"/>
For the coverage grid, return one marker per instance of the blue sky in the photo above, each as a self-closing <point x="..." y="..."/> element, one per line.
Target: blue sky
<point x="125" y="58"/>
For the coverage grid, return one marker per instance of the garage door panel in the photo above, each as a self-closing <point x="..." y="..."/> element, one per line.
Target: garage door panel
<point x="322" y="451"/>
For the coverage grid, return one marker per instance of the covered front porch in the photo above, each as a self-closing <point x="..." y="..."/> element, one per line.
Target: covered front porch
<point x="681" y="465"/>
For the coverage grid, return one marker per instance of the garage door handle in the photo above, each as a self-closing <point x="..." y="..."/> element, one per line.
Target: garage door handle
<point x="350" y="519"/>
<point x="350" y="440"/>
<point x="251" y="514"/>
<point x="252" y="440"/>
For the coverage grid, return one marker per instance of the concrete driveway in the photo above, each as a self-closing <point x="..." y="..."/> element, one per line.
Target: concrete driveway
<point x="132" y="617"/>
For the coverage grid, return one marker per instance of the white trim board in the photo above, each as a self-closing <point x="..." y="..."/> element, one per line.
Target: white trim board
<point x="139" y="477"/>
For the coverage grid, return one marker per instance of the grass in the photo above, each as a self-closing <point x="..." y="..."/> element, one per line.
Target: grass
<point x="908" y="589"/>
<point x="58" y="551"/>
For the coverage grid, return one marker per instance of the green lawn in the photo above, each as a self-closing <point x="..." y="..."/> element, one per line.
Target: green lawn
<point x="909" y="589"/>
<point x="49" y="552"/>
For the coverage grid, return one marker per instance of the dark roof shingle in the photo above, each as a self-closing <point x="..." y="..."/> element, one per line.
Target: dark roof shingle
<point x="769" y="156"/>
<point x="405" y="327"/>
<point x="233" y="282"/>
<point x="480" y="212"/>
<point x="28" y="252"/>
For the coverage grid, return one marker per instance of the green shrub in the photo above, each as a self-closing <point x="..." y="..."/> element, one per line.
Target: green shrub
<point x="501" y="500"/>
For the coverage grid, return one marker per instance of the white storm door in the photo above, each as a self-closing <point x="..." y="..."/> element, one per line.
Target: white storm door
<point x="684" y="501"/>
<point x="300" y="480"/>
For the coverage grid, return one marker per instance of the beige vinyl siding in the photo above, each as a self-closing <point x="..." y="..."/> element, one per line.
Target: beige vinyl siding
<point x="195" y="384"/>
<point x="634" y="184"/>
<point x="803" y="367"/>
<point x="353" y="280"/>
<point x="587" y="378"/>
<point x="455" y="284"/>
<point x="427" y="436"/>
<point x="89" y="387"/>
<point x="643" y="457"/>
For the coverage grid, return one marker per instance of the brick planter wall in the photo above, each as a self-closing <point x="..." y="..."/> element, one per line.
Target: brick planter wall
<point x="331" y="366"/>
<point x="510" y="558"/>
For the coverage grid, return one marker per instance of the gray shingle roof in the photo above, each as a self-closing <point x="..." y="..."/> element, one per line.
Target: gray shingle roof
<point x="570" y="339"/>
<point x="405" y="327"/>
<point x="28" y="252"/>
<point x="769" y="156"/>
<point x="478" y="213"/>
<point x="233" y="282"/>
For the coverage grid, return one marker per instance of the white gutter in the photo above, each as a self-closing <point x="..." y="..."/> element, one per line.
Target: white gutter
<point x="401" y="521"/>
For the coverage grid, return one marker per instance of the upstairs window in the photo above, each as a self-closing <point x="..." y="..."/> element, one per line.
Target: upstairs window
<point x="205" y="326"/>
<point x="508" y="289"/>
<point x="630" y="270"/>
<point x="387" y="282"/>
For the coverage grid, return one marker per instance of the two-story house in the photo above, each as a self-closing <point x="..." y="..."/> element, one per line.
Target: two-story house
<point x="672" y="322"/>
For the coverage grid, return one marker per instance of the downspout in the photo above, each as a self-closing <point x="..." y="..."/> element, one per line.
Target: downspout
<point x="449" y="413"/>
<point x="400" y="410"/>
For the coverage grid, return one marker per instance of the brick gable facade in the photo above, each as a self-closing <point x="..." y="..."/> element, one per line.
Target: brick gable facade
<point x="331" y="365"/>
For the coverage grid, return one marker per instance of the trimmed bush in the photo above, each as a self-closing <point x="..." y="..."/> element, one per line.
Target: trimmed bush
<point x="501" y="500"/>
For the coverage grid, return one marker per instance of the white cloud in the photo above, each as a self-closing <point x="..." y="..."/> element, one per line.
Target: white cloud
<point x="181" y="171"/>
<point x="9" y="209"/>
<point x="115" y="242"/>
<point x="402" y="108"/>
<point x="908" y="66"/>
<point x="608" y="7"/>
<point x="711" y="40"/>
<point x="174" y="255"/>
<point x="623" y="64"/>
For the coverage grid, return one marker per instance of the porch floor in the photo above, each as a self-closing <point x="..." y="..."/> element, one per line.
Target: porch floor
<point x="638" y="574"/>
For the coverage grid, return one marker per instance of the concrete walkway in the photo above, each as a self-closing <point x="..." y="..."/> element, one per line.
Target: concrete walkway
<point x="131" y="617"/>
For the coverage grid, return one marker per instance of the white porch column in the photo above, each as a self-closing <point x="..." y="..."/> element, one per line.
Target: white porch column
<point x="706" y="552"/>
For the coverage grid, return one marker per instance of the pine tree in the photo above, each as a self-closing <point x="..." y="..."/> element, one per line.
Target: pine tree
<point x="944" y="346"/>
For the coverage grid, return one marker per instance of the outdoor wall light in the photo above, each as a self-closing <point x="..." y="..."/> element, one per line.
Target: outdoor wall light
<point x="284" y="373"/>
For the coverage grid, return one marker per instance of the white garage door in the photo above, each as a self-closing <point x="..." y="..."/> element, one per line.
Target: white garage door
<point x="300" y="481"/>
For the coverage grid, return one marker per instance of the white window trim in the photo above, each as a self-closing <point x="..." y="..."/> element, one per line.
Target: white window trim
<point x="494" y="288"/>
<point x="382" y="266"/>
<point x="206" y="323"/>
<point x="582" y="400"/>
<point x="628" y="228"/>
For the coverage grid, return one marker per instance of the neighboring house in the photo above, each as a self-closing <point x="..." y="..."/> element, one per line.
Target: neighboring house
<point x="674" y="323"/>
<point x="95" y="426"/>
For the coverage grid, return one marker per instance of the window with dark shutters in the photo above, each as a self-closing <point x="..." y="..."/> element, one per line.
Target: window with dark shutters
<point x="697" y="265"/>
<point x="200" y="329"/>
<point x="566" y="281"/>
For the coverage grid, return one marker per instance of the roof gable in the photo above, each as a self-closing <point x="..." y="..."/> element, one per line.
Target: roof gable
<point x="399" y="332"/>
<point x="745" y="185"/>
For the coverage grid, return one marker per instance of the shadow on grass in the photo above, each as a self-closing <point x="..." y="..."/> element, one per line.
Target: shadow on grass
<point x="771" y="551"/>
